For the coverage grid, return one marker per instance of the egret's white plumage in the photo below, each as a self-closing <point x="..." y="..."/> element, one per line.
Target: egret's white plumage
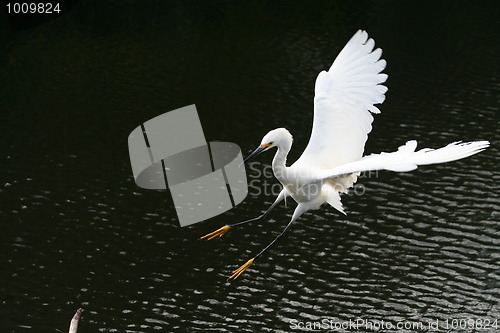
<point x="345" y="98"/>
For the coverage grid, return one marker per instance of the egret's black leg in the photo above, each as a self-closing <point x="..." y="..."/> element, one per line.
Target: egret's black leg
<point x="263" y="215"/>
<point x="274" y="240"/>
<point x="221" y="231"/>
<point x="301" y="209"/>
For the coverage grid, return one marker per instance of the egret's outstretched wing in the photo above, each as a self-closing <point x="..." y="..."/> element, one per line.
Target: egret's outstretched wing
<point x="344" y="98"/>
<point x="406" y="158"/>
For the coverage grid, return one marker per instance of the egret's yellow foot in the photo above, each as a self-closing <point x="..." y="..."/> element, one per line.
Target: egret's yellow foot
<point x="237" y="272"/>
<point x="217" y="233"/>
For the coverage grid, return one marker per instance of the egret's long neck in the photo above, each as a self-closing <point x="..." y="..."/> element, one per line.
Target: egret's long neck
<point x="279" y="162"/>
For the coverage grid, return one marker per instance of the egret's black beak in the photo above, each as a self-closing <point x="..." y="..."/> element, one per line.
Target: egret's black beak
<point x="255" y="153"/>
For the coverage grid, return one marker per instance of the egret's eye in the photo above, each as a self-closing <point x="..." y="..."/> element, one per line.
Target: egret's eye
<point x="265" y="145"/>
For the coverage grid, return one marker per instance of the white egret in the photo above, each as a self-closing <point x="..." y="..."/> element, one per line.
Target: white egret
<point x="343" y="105"/>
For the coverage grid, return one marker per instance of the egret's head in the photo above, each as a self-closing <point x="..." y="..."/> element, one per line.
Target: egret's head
<point x="279" y="137"/>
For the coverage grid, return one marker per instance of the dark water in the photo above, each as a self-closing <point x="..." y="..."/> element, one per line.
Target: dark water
<point x="77" y="232"/>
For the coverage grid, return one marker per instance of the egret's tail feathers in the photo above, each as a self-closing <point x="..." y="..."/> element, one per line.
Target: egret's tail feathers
<point x="333" y="197"/>
<point x="407" y="159"/>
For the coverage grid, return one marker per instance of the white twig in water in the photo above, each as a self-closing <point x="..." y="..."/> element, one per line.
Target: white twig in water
<point x="73" y="327"/>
